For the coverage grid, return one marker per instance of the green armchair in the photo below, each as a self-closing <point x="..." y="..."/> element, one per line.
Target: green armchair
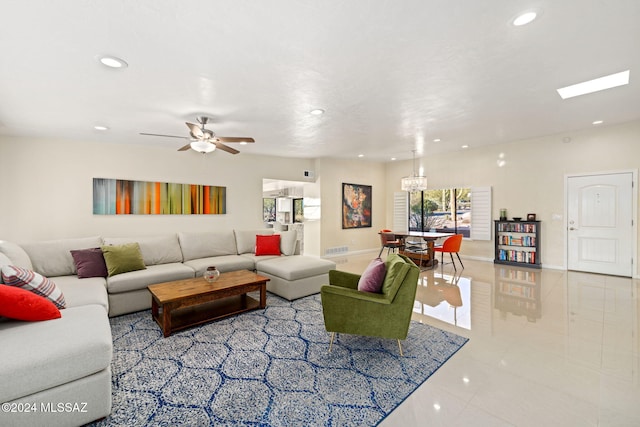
<point x="384" y="315"/>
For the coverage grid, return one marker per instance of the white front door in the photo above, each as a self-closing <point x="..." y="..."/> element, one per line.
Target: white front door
<point x="599" y="223"/>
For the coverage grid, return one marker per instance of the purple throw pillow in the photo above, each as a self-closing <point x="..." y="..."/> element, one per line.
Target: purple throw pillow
<point x="373" y="276"/>
<point x="89" y="263"/>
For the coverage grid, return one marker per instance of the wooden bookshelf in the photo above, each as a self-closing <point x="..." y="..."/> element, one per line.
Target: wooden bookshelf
<point x="517" y="243"/>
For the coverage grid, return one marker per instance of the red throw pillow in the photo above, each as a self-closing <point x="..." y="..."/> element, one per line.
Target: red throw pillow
<point x="20" y="304"/>
<point x="268" y="245"/>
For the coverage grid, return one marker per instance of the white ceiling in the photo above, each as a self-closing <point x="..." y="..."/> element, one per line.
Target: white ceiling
<point x="391" y="75"/>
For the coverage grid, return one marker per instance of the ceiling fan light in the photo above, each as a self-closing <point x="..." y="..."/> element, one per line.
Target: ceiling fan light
<point x="202" y="146"/>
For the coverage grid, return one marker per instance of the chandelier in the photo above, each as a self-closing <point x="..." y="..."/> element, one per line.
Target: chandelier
<point x="414" y="182"/>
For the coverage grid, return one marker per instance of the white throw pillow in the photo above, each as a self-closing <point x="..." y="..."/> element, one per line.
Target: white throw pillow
<point x="34" y="282"/>
<point x="288" y="240"/>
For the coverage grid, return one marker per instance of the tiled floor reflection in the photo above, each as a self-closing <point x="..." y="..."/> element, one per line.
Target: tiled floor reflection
<point x="547" y="348"/>
<point x="445" y="296"/>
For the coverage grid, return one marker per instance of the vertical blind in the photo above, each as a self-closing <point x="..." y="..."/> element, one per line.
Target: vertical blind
<point x="481" y="213"/>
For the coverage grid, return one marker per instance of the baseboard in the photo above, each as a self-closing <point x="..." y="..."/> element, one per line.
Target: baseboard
<point x="554" y="267"/>
<point x="476" y="258"/>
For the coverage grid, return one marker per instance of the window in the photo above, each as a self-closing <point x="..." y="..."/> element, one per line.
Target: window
<point x="447" y="210"/>
<point x="471" y="215"/>
<point x="268" y="209"/>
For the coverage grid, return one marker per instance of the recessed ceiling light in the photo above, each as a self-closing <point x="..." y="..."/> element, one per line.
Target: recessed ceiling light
<point x="317" y="111"/>
<point x="597" y="122"/>
<point x="113" y="62"/>
<point x="393" y="158"/>
<point x="465" y="146"/>
<point x="360" y="155"/>
<point x="595" y="85"/>
<point x="437" y="140"/>
<point x="524" y="18"/>
<point x="99" y="127"/>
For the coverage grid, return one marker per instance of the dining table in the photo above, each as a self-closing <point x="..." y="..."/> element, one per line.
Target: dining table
<point x="428" y="236"/>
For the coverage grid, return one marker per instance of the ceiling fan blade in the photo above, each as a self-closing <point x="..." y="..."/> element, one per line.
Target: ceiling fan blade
<point x="226" y="148"/>
<point x="196" y="132"/>
<point x="185" y="148"/>
<point x="235" y="139"/>
<point x="167" y="136"/>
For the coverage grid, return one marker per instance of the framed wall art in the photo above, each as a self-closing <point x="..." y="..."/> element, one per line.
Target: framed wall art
<point x="125" y="197"/>
<point x="356" y="206"/>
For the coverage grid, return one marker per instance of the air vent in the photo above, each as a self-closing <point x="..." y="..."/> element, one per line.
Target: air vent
<point x="338" y="250"/>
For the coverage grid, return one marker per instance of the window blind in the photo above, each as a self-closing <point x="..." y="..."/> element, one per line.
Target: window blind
<point x="401" y="210"/>
<point x="481" y="213"/>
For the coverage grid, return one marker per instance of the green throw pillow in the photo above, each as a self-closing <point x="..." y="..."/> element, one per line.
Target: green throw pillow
<point x="123" y="258"/>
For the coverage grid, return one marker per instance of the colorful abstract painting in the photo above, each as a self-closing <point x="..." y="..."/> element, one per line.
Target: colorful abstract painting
<point x="123" y="197"/>
<point x="356" y="206"/>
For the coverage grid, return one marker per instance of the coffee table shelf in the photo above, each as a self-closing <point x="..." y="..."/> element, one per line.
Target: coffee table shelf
<point x="184" y="303"/>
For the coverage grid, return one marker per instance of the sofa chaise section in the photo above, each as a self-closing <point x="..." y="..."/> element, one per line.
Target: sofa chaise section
<point x="295" y="276"/>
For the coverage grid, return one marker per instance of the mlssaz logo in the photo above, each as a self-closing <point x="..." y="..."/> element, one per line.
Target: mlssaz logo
<point x="66" y="407"/>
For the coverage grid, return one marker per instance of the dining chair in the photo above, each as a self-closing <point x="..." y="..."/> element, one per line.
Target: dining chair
<point x="451" y="245"/>
<point x="418" y="250"/>
<point x="389" y="241"/>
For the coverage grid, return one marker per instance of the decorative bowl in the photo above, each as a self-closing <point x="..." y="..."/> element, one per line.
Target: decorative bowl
<point x="211" y="274"/>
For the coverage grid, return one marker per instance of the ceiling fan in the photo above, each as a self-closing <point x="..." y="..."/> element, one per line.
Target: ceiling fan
<point x="204" y="140"/>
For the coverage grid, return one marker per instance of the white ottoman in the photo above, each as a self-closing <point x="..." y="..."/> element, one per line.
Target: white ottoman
<point x="295" y="276"/>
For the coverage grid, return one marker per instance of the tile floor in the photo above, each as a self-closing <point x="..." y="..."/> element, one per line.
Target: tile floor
<point x="546" y="348"/>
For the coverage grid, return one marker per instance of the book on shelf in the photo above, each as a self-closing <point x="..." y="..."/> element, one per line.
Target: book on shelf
<point x="528" y="257"/>
<point x="517" y="227"/>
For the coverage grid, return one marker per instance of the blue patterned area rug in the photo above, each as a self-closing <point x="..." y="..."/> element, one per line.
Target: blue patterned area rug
<point x="266" y="367"/>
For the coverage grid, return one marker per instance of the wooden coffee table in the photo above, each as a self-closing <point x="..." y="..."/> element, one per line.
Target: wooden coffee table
<point x="184" y="303"/>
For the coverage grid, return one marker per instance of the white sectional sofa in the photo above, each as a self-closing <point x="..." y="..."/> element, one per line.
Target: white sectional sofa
<point x="67" y="360"/>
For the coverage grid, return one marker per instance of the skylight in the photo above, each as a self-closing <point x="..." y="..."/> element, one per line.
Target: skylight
<point x="595" y="85"/>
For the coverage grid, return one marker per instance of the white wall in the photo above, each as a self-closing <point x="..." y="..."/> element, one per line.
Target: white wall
<point x="46" y="187"/>
<point x="532" y="179"/>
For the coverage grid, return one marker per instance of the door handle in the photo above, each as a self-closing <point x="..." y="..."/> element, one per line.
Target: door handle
<point x="572" y="228"/>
